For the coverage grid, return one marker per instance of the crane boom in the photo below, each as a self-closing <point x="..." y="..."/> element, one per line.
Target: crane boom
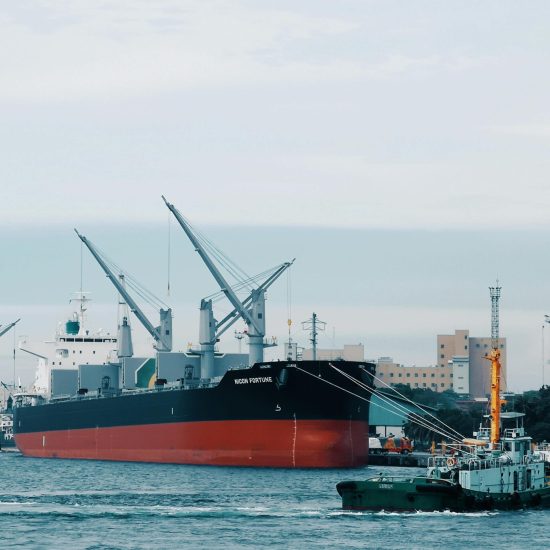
<point x="162" y="344"/>
<point x="6" y="329"/>
<point x="234" y="316"/>
<point x="223" y="284"/>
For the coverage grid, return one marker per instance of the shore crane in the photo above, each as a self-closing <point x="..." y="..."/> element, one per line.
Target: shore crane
<point x="251" y="309"/>
<point x="162" y="334"/>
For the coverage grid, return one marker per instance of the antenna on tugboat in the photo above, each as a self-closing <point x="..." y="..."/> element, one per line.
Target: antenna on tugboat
<point x="494" y="357"/>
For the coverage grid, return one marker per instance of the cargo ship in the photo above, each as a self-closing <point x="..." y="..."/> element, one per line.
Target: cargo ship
<point x="278" y="414"/>
<point x="198" y="406"/>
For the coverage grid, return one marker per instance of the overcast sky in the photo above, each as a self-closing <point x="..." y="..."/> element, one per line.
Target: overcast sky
<point x="385" y="118"/>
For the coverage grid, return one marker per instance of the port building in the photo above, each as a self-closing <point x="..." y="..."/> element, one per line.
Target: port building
<point x="460" y="365"/>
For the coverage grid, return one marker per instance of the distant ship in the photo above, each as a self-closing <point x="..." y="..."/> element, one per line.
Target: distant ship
<point x="6" y="427"/>
<point x="6" y="414"/>
<point x="199" y="406"/>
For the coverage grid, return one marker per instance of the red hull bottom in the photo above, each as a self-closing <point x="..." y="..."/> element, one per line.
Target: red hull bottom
<point x="267" y="443"/>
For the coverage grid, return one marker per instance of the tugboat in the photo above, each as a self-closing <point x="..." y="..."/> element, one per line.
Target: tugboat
<point x="496" y="470"/>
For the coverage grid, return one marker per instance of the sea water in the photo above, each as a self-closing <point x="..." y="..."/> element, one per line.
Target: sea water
<point x="78" y="504"/>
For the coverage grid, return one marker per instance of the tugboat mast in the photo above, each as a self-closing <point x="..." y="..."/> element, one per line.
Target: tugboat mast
<point x="494" y="357"/>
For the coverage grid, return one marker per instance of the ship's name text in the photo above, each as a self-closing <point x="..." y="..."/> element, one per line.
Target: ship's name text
<point x="255" y="380"/>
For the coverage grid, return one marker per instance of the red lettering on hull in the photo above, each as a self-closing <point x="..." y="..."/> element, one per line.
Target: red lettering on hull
<point x="267" y="443"/>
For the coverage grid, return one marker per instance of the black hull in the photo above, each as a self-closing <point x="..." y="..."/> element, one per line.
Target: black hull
<point x="269" y="407"/>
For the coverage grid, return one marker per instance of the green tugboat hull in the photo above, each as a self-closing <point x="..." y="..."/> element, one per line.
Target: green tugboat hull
<point x="422" y="494"/>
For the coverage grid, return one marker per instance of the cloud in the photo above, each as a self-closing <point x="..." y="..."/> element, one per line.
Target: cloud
<point x="540" y="130"/>
<point x="77" y="50"/>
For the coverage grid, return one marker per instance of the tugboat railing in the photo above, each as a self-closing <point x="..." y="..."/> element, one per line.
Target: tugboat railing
<point x="480" y="463"/>
<point x="529" y="459"/>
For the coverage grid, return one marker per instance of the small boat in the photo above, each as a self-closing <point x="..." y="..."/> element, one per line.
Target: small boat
<point x="497" y="469"/>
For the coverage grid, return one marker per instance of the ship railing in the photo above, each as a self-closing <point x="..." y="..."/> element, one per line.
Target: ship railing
<point x="391" y="479"/>
<point x="514" y="432"/>
<point x="439" y="461"/>
<point x="214" y="382"/>
<point x="64" y="397"/>
<point x="24" y="401"/>
<point x="530" y="458"/>
<point x="476" y="463"/>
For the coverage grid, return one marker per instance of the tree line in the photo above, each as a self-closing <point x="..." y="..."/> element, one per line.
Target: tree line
<point x="465" y="416"/>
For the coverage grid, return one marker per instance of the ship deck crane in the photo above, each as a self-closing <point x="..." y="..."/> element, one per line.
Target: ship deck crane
<point x="162" y="334"/>
<point x="6" y="329"/>
<point x="251" y="310"/>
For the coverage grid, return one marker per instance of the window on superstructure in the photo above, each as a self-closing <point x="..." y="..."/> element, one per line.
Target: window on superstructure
<point x="442" y="356"/>
<point x="442" y="346"/>
<point x="416" y="375"/>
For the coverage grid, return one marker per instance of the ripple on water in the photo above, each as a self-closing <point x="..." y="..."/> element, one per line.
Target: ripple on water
<point x="86" y="504"/>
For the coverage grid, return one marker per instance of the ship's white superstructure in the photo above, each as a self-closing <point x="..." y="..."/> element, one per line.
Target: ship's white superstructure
<point x="73" y="345"/>
<point x="6" y="425"/>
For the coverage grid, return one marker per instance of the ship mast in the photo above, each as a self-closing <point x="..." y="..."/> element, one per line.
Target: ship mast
<point x="494" y="357"/>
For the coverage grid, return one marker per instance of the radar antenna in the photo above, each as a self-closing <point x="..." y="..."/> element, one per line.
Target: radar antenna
<point x="314" y="326"/>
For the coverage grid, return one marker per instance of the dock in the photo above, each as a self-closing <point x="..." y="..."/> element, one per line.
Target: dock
<point x="412" y="460"/>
